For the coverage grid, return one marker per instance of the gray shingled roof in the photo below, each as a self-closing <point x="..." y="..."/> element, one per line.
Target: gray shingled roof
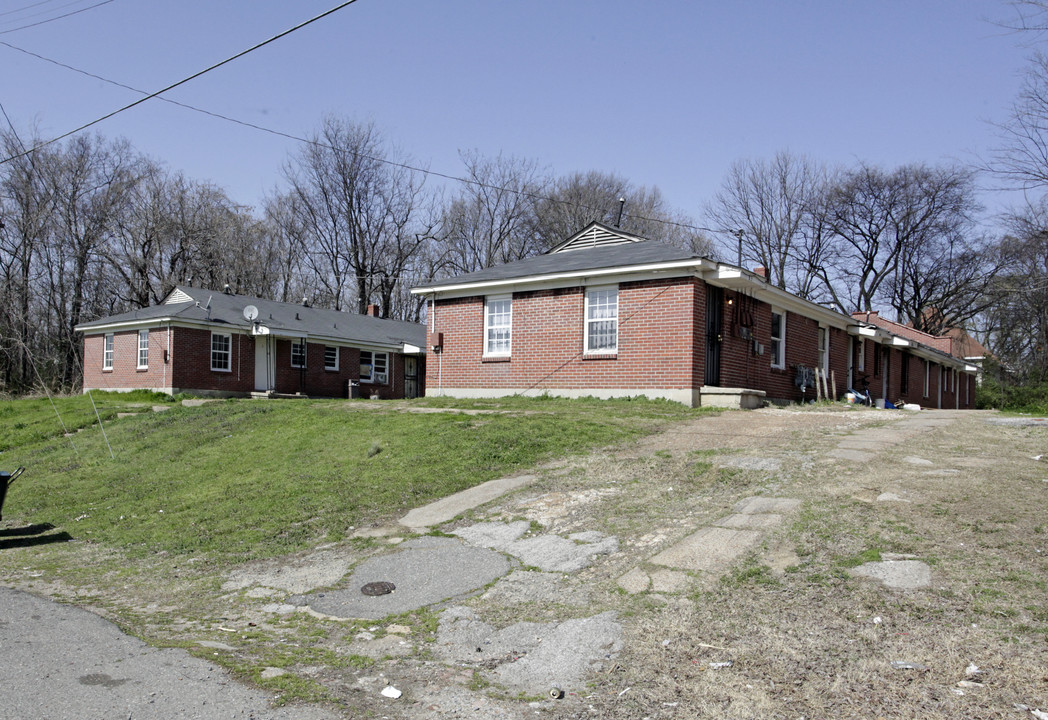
<point x="624" y="255"/>
<point x="228" y="311"/>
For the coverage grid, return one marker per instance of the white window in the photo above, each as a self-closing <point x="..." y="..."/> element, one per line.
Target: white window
<point x="927" y="377"/>
<point x="221" y="352"/>
<point x="374" y="367"/>
<point x="778" y="339"/>
<point x="498" y="326"/>
<point x="107" y="352"/>
<point x="330" y="357"/>
<point x="824" y="348"/>
<point x="861" y="361"/>
<point x="298" y="353"/>
<point x="143" y="349"/>
<point x="602" y="320"/>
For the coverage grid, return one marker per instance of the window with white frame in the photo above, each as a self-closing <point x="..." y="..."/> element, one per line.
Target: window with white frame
<point x="143" y="349"/>
<point x="860" y="361"/>
<point x="374" y="367"/>
<point x="824" y="348"/>
<point x="107" y="352"/>
<point x="331" y="357"/>
<point x="778" y="339"/>
<point x="498" y="325"/>
<point x="298" y="353"/>
<point x="221" y="352"/>
<point x="927" y="377"/>
<point x="602" y="320"/>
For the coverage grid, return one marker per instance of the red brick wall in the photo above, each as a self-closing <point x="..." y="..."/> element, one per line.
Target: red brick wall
<point x="125" y="373"/>
<point x="656" y="341"/>
<point x="187" y="367"/>
<point x="662" y="341"/>
<point x="191" y="362"/>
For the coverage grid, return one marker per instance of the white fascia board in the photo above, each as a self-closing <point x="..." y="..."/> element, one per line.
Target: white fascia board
<point x="410" y="349"/>
<point x="735" y="278"/>
<point x="901" y="341"/>
<point x="166" y="321"/>
<point x="865" y="331"/>
<point x="691" y="267"/>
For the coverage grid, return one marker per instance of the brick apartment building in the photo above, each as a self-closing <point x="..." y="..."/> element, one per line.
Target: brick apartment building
<point x="609" y="314"/>
<point x="206" y="342"/>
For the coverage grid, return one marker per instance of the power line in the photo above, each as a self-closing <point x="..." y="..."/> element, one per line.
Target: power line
<point x="184" y="80"/>
<point x="317" y="143"/>
<point x="59" y="17"/>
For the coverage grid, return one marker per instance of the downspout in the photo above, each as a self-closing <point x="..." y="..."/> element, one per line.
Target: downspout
<point x="169" y="360"/>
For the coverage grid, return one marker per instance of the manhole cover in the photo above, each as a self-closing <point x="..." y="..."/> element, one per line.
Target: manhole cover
<point x="378" y="588"/>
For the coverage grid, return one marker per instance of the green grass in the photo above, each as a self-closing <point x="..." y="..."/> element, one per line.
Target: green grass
<point x="244" y="479"/>
<point x="30" y="420"/>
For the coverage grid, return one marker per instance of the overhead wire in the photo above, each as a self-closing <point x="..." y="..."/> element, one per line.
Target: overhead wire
<point x="59" y="17"/>
<point x="315" y="143"/>
<point x="185" y="80"/>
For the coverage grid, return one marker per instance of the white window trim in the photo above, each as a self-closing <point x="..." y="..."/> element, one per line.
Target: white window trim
<point x="107" y="351"/>
<point x="824" y="360"/>
<point x="337" y="357"/>
<point x="861" y="362"/>
<point x="371" y="379"/>
<point x="228" y="353"/>
<point x="781" y="365"/>
<point x="586" y="321"/>
<point x="488" y="352"/>
<point x="927" y="378"/>
<point x="305" y="353"/>
<point x="143" y="334"/>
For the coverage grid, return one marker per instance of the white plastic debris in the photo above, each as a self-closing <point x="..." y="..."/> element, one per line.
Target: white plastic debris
<point x="904" y="665"/>
<point x="1039" y="714"/>
<point x="877" y="620"/>
<point x="391" y="692"/>
<point x="720" y="665"/>
<point x="971" y="670"/>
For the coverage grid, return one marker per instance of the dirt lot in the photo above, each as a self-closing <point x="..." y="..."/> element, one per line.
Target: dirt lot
<point x="786" y="630"/>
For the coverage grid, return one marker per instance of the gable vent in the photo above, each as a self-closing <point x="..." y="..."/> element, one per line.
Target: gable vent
<point x="595" y="236"/>
<point x="176" y="297"/>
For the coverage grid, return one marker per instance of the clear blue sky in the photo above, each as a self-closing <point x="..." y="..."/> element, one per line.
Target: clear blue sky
<point x="666" y="93"/>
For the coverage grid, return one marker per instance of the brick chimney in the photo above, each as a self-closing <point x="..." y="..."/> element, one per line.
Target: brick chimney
<point x="372" y="310"/>
<point x="762" y="271"/>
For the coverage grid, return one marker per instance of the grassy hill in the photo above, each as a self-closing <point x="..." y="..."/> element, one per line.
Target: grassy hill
<point x="242" y="479"/>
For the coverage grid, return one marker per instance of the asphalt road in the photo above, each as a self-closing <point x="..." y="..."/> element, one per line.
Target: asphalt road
<point x="58" y="662"/>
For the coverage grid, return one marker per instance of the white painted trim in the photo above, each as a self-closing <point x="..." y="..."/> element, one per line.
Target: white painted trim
<point x="488" y="301"/>
<point x="568" y="279"/>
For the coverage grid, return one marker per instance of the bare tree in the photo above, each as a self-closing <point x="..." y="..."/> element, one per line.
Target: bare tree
<point x="578" y="199"/>
<point x="489" y="220"/>
<point x="881" y="219"/>
<point x="768" y="203"/>
<point x="1021" y="158"/>
<point x="357" y="208"/>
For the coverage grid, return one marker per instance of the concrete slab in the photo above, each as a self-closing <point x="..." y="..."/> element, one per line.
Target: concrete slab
<point x="752" y="505"/>
<point x="668" y="581"/>
<point x="914" y="460"/>
<point x="635" y="581"/>
<point x="426" y="571"/>
<point x="750" y="522"/>
<point x="709" y="550"/>
<point x="551" y="553"/>
<point x="531" y="657"/>
<point x="448" y="508"/>
<point x="852" y="455"/>
<point x="897" y="574"/>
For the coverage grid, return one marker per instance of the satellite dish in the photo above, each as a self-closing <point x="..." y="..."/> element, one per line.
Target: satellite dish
<point x="251" y="312"/>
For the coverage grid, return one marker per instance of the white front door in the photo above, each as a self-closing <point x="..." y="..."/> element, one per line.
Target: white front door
<point x="265" y="363"/>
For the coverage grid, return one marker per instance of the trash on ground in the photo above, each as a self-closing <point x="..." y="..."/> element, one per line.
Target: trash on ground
<point x="971" y="670"/>
<point x="904" y="665"/>
<point x="556" y="693"/>
<point x="391" y="692"/>
<point x="719" y="665"/>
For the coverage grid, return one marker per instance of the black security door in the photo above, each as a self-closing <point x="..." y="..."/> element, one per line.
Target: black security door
<point x="714" y="337"/>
